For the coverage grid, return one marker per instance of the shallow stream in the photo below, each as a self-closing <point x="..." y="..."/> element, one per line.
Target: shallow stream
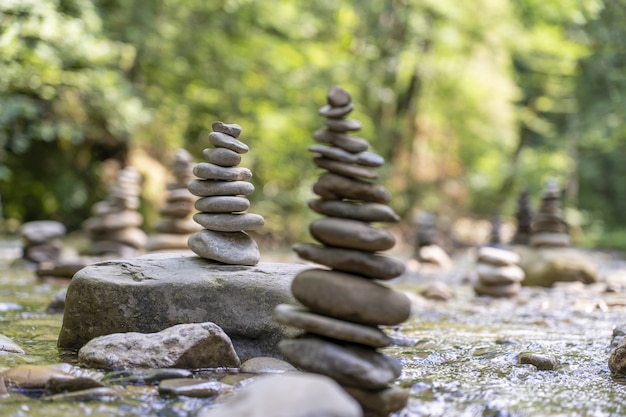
<point x="460" y="357"/>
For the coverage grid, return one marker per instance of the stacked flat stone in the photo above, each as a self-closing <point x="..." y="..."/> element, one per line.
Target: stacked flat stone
<point x="548" y="227"/>
<point x="494" y="235"/>
<point x="173" y="231"/>
<point x="498" y="273"/>
<point x="115" y="227"/>
<point x="343" y="306"/>
<point x="223" y="187"/>
<point x="41" y="240"/>
<point x="524" y="217"/>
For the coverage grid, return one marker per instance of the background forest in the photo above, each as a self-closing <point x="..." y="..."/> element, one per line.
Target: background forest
<point x="469" y="102"/>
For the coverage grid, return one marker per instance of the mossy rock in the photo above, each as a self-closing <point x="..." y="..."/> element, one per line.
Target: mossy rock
<point x="545" y="266"/>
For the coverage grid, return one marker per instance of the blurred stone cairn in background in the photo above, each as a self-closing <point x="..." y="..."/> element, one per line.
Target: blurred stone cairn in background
<point x="498" y="273"/>
<point x="41" y="241"/>
<point x="344" y="306"/>
<point x="428" y="251"/>
<point x="115" y="227"/>
<point x="223" y="187"/>
<point x="177" y="225"/>
<point x="548" y="227"/>
<point x="524" y="217"/>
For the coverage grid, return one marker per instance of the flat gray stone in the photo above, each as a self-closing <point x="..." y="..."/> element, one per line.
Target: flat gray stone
<point x="187" y="346"/>
<point x="221" y="156"/>
<point x="223" y="140"/>
<point x="208" y="188"/>
<point x="266" y="365"/>
<point x="113" y="221"/>
<point x="346" y="142"/>
<point x="380" y="402"/>
<point x="222" y="204"/>
<point x="231" y="129"/>
<point x="343" y="125"/>
<point x="228" y="222"/>
<point x="304" y="319"/>
<point x="497" y="256"/>
<point x="331" y="186"/>
<point x="497" y="291"/>
<point x="367" y="159"/>
<point x="365" y="212"/>
<point x="498" y="275"/>
<point x="233" y="248"/>
<point x="195" y="388"/>
<point x="40" y="231"/>
<point x="351" y="234"/>
<point x="336" y="112"/>
<point x="210" y="171"/>
<point x="345" y="169"/>
<point x="350" y="365"/>
<point x="153" y="292"/>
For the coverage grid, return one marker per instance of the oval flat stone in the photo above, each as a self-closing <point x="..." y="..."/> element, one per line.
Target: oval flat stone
<point x="331" y="186"/>
<point x="222" y="204"/>
<point x="235" y="248"/>
<point x="221" y="156"/>
<point x="368" y="159"/>
<point x="336" y="112"/>
<point x="497" y="256"/>
<point x="266" y="365"/>
<point x="351" y="365"/>
<point x="330" y="327"/>
<point x="221" y="222"/>
<point x="351" y="234"/>
<point x="232" y="129"/>
<point x="345" y="169"/>
<point x="504" y="290"/>
<point x="208" y="188"/>
<point x="222" y="140"/>
<point x="380" y="402"/>
<point x="366" y="212"/>
<point x="349" y="297"/>
<point x="346" y="142"/>
<point x="343" y="125"/>
<point x="354" y="261"/>
<point x="195" y="388"/>
<point x="498" y="275"/>
<point x="32" y="376"/>
<point x="215" y="172"/>
<point x="338" y="97"/>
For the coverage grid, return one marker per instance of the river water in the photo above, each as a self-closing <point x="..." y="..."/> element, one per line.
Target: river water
<point x="460" y="357"/>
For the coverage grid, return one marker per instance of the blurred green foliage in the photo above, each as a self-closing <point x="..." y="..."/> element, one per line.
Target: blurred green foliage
<point x="469" y="102"/>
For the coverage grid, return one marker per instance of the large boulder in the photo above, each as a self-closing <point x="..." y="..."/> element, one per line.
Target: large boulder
<point x="545" y="266"/>
<point x="153" y="292"/>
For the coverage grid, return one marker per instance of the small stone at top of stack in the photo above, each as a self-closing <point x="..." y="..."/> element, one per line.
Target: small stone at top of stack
<point x="344" y="306"/>
<point x="114" y="229"/>
<point x="495" y="239"/>
<point x="177" y="225"/>
<point x="498" y="273"/>
<point x="548" y="227"/>
<point x="224" y="188"/>
<point x="427" y="250"/>
<point x="41" y="241"/>
<point x="524" y="216"/>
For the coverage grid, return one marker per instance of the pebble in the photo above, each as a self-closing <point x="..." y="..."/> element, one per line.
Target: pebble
<point x="92" y="394"/>
<point x="223" y="140"/>
<point x="196" y="388"/>
<point x="9" y="346"/>
<point x="32" y="376"/>
<point x="351" y="234"/>
<point x="338" y="97"/>
<point x="222" y="157"/>
<point x="236" y="248"/>
<point x="617" y="358"/>
<point x="207" y="188"/>
<point x="497" y="256"/>
<point x="331" y="186"/>
<point x="222" y="222"/>
<point x="380" y="403"/>
<point x="222" y="204"/>
<point x="541" y="362"/>
<point x="366" y="212"/>
<point x="438" y="291"/>
<point x="266" y="365"/>
<point x="231" y="129"/>
<point x="60" y="385"/>
<point x="215" y="172"/>
<point x="145" y="376"/>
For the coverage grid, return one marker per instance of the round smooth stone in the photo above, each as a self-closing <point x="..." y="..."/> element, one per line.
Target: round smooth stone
<point x="221" y="156"/>
<point x="222" y="204"/>
<point x="191" y="387"/>
<point x="221" y="222"/>
<point x="266" y="365"/>
<point x="368" y="159"/>
<point x="329" y="327"/>
<point x="222" y="140"/>
<point x="235" y="248"/>
<point x="366" y="212"/>
<point x="232" y="129"/>
<point x="350" y="365"/>
<point x="352" y="261"/>
<point x="351" y="234"/>
<point x="336" y="112"/>
<point x="338" y="97"/>
<point x="497" y="256"/>
<point x="499" y="275"/>
<point x="498" y="291"/>
<point x="550" y="239"/>
<point x="343" y="125"/>
<point x="350" y="297"/>
<point x="208" y="188"/>
<point x="331" y="186"/>
<point x="209" y="171"/>
<point x="346" y="142"/>
<point x="40" y="231"/>
<point x="380" y="402"/>
<point x="345" y="169"/>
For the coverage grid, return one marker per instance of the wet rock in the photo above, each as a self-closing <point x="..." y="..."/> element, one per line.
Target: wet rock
<point x="196" y="388"/>
<point x="380" y="403"/>
<point x="438" y="291"/>
<point x="61" y="385"/>
<point x="153" y="292"/>
<point x="618" y="334"/>
<point x="617" y="358"/>
<point x="194" y="345"/>
<point x="32" y="376"/>
<point x="309" y="396"/>
<point x="266" y="365"/>
<point x="541" y="362"/>
<point x="92" y="394"/>
<point x="57" y="304"/>
<point x="145" y="376"/>
<point x="9" y="346"/>
<point x="546" y="266"/>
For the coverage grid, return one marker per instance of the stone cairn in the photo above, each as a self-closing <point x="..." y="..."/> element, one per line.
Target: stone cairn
<point x="114" y="229"/>
<point x="177" y="225"/>
<point x="343" y="306"/>
<point x="548" y="227"/>
<point x="427" y="250"/>
<point x="524" y="217"/>
<point x="495" y="238"/>
<point x="41" y="240"/>
<point x="498" y="272"/>
<point x="223" y="187"/>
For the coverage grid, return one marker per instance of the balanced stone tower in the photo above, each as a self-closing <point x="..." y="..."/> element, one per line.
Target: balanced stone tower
<point x="498" y="272"/>
<point x="524" y="217"/>
<point x="343" y="305"/>
<point x="114" y="229"/>
<point x="548" y="227"/>
<point x="223" y="187"/>
<point x="42" y="240"/>
<point x="173" y="231"/>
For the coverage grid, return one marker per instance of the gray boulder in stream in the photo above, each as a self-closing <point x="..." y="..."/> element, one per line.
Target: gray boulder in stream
<point x="150" y="293"/>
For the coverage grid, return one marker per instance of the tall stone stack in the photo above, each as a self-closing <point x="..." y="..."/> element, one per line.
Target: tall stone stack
<point x="173" y="231"/>
<point x="41" y="240"/>
<point x="548" y="227"/>
<point x="343" y="306"/>
<point x="498" y="272"/>
<point x="223" y="187"/>
<point x="114" y="228"/>
<point x="524" y="217"/>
